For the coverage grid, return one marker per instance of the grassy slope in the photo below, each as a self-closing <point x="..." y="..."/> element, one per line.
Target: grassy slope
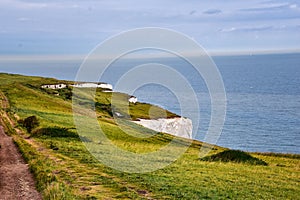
<point x="70" y="172"/>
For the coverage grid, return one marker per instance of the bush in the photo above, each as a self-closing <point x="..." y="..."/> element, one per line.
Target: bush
<point x="55" y="132"/>
<point x="30" y="123"/>
<point x="235" y="156"/>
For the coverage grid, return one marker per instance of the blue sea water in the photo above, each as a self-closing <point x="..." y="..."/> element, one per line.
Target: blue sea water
<point x="263" y="96"/>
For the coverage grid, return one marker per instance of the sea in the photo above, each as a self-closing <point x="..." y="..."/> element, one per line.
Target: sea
<point x="262" y="95"/>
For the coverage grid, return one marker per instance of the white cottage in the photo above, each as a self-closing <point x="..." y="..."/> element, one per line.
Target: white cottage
<point x="105" y="86"/>
<point x="80" y="85"/>
<point x="132" y="99"/>
<point x="94" y="85"/>
<point x="57" y="86"/>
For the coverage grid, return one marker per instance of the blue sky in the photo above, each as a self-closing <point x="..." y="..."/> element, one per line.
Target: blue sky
<point x="59" y="27"/>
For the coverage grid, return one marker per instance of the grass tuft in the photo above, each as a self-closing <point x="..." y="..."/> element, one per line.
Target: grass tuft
<point x="236" y="156"/>
<point x="55" y="132"/>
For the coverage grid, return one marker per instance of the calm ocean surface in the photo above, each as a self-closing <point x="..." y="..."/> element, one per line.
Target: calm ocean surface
<point x="263" y="96"/>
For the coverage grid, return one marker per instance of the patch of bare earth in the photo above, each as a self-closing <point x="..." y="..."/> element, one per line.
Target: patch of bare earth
<point x="16" y="181"/>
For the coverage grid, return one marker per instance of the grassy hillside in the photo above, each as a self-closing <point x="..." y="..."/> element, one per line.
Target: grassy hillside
<point x="64" y="169"/>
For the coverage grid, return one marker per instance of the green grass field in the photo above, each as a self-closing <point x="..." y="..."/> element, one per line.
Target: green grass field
<point x="65" y="169"/>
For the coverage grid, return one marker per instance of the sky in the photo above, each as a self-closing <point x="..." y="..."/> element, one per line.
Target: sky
<point x="71" y="27"/>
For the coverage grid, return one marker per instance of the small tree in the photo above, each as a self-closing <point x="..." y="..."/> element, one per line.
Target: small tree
<point x="30" y="123"/>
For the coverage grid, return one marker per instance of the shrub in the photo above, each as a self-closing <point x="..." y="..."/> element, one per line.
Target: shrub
<point x="55" y="132"/>
<point x="235" y="156"/>
<point x="30" y="123"/>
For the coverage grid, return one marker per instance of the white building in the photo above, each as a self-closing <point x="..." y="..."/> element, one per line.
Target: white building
<point x="132" y="99"/>
<point x="94" y="85"/>
<point x="57" y="86"/>
<point x="105" y="86"/>
<point x="80" y="85"/>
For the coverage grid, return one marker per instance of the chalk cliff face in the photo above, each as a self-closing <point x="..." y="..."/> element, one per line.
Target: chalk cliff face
<point x="179" y="126"/>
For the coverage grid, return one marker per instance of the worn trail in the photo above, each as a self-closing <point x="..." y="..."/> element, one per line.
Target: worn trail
<point x="16" y="181"/>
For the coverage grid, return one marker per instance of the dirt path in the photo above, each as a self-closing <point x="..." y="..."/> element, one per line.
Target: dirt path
<point x="16" y="182"/>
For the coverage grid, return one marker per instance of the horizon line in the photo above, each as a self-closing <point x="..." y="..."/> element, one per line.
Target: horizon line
<point x="73" y="57"/>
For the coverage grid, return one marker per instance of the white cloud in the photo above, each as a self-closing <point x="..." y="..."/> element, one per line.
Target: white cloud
<point x="269" y="7"/>
<point x="23" y="19"/>
<point x="93" y="20"/>
<point x="228" y="29"/>
<point x="293" y="6"/>
<point x="22" y="4"/>
<point x="259" y="28"/>
<point x="248" y="29"/>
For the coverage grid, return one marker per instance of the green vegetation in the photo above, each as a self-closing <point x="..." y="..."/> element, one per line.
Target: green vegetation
<point x="30" y="123"/>
<point x="234" y="156"/>
<point x="64" y="169"/>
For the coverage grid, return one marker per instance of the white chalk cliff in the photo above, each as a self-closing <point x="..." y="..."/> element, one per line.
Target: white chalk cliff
<point x="178" y="126"/>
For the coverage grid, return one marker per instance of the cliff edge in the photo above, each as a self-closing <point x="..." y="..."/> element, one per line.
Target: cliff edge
<point x="178" y="126"/>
